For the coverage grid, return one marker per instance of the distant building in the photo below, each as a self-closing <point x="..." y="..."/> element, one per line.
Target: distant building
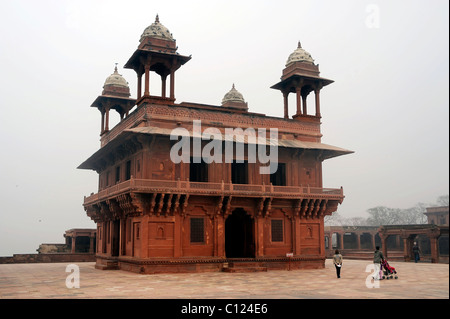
<point x="78" y="240"/>
<point x="396" y="241"/>
<point x="437" y="215"/>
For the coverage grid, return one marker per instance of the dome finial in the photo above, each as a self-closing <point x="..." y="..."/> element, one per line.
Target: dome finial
<point x="157" y="18"/>
<point x="233" y="86"/>
<point x="299" y="45"/>
<point x="115" y="69"/>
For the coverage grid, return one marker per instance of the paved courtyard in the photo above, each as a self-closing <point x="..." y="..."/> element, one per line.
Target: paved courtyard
<point x="48" y="281"/>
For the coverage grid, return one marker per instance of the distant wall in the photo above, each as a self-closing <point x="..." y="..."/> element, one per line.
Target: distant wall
<point x="47" y="258"/>
<point x="53" y="248"/>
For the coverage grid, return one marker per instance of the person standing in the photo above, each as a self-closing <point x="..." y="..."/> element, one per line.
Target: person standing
<point x="377" y="259"/>
<point x="416" y="252"/>
<point x="337" y="260"/>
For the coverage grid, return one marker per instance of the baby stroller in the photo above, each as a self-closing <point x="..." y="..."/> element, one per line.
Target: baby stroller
<point x="388" y="271"/>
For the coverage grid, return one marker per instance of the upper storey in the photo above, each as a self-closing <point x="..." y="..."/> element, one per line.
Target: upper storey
<point x="157" y="52"/>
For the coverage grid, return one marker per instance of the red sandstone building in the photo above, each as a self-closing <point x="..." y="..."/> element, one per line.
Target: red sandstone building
<point x="155" y="215"/>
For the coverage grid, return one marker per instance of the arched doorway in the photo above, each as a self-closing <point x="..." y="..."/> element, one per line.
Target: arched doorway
<point x="239" y="235"/>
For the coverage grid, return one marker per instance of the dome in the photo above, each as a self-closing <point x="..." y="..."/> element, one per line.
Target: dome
<point x="299" y="55"/>
<point x="157" y="30"/>
<point x="233" y="96"/>
<point x="115" y="79"/>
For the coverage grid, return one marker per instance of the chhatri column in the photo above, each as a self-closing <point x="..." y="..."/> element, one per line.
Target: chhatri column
<point x="147" y="80"/>
<point x="317" y="93"/>
<point x="172" y="83"/>
<point x="298" y="91"/>
<point x="107" y="119"/>
<point x="305" y="110"/>
<point x="103" y="123"/>
<point x="286" y="110"/>
<point x="139" y="85"/>
<point x="163" y="85"/>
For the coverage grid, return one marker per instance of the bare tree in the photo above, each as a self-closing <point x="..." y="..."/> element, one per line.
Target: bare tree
<point x="443" y="200"/>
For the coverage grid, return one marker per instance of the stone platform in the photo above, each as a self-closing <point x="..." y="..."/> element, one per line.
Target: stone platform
<point x="48" y="281"/>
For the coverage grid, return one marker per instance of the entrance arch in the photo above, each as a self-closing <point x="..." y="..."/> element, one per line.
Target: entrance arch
<point x="239" y="235"/>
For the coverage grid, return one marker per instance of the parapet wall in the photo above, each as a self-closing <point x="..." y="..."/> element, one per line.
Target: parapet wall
<point x="47" y="258"/>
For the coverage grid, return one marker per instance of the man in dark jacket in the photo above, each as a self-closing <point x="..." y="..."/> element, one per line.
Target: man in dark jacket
<point x="416" y="252"/>
<point x="377" y="259"/>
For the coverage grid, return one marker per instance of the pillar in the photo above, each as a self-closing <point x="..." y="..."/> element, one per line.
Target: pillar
<point x="406" y="254"/>
<point x="73" y="244"/>
<point x="123" y="235"/>
<point x="304" y="104"/>
<point x="358" y="241"/>
<point x="296" y="235"/>
<point x="163" y="85"/>
<point x="177" y="235"/>
<point x="434" y="247"/>
<point x="91" y="244"/>
<point x="341" y="240"/>
<point x="147" y="80"/>
<point x="299" y="100"/>
<point x="172" y="84"/>
<point x="383" y="246"/>
<point x="285" y="100"/>
<point x="259" y="249"/>
<point x="322" y="238"/>
<point x="139" y="85"/>
<point x="144" y="236"/>
<point x="220" y="238"/>
<point x="103" y="122"/>
<point x="316" y="93"/>
<point x="107" y="120"/>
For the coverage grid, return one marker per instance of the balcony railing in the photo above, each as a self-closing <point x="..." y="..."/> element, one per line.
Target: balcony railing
<point x="206" y="188"/>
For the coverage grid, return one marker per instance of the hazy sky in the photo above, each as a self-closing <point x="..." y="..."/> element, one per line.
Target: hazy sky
<point x="389" y="102"/>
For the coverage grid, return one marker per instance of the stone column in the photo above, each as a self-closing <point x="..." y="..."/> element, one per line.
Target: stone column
<point x="107" y="119"/>
<point x="172" y="84"/>
<point x="383" y="246"/>
<point x="285" y="100"/>
<point x="139" y="85"/>
<point x="358" y="241"/>
<point x="434" y="235"/>
<point x="406" y="249"/>
<point x="316" y="93"/>
<point x="73" y="244"/>
<point x="147" y="80"/>
<point x="299" y="100"/>
<point x="163" y="85"/>
<point x="91" y="244"/>
<point x="103" y="122"/>
<point x="259" y="251"/>
<point x="305" y="110"/>
<point x="322" y="238"/>
<point x="296" y="235"/>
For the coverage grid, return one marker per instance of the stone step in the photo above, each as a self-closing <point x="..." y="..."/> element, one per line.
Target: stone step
<point x="244" y="266"/>
<point x="244" y="269"/>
